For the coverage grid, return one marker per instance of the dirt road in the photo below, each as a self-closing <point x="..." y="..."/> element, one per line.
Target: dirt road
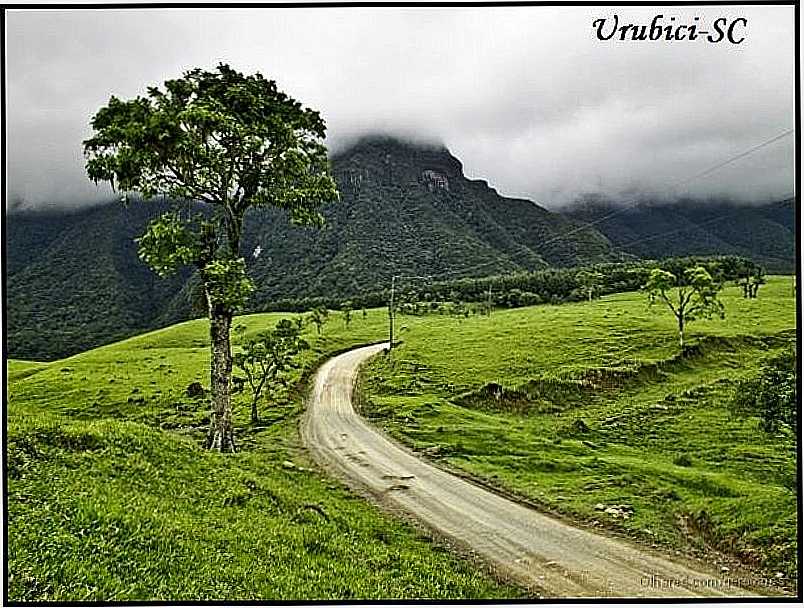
<point x="549" y="556"/>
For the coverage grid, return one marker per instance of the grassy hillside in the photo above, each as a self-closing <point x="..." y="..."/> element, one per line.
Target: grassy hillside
<point x="111" y="498"/>
<point x="588" y="406"/>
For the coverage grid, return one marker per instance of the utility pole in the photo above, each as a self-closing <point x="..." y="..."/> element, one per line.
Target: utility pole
<point x="488" y="301"/>
<point x="391" y="314"/>
<point x="391" y="308"/>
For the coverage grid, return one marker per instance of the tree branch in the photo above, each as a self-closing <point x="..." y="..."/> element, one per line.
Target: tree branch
<point x="668" y="302"/>
<point x="248" y="376"/>
<point x="181" y="181"/>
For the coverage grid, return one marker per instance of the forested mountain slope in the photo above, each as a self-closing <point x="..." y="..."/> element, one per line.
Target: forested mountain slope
<point x="765" y="233"/>
<point x="74" y="279"/>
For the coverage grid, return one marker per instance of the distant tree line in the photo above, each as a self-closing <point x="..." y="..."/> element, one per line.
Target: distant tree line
<point x="461" y="297"/>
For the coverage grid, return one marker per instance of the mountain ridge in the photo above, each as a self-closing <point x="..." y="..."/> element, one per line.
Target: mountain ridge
<point x="766" y="233"/>
<point x="74" y="280"/>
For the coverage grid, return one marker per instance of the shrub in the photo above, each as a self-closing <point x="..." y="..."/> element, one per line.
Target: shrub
<point x="682" y="460"/>
<point x="771" y="395"/>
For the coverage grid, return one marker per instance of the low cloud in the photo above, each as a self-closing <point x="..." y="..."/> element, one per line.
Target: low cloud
<point x="525" y="97"/>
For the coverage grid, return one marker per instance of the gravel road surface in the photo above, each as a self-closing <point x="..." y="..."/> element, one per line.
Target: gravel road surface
<point x="548" y="556"/>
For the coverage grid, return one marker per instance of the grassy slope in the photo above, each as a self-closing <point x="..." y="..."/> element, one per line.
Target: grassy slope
<point x="737" y="493"/>
<point x="111" y="497"/>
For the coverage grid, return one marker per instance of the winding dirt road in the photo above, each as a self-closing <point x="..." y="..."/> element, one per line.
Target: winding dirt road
<point x="548" y="556"/>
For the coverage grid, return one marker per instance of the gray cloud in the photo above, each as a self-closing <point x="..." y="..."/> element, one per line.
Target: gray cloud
<point x="526" y="97"/>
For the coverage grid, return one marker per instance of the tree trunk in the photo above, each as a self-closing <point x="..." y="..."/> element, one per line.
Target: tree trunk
<point x="221" y="432"/>
<point x="255" y="418"/>
<point x="681" y="332"/>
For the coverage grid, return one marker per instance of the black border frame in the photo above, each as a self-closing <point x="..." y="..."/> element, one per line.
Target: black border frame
<point x="407" y="4"/>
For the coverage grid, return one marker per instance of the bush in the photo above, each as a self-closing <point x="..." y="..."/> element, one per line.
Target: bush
<point x="771" y="395"/>
<point x="682" y="460"/>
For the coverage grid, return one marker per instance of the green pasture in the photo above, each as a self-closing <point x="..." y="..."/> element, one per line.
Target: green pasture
<point x="111" y="496"/>
<point x="583" y="405"/>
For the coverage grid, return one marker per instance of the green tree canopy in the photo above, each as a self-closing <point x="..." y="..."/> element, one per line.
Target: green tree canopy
<point x="690" y="296"/>
<point x="771" y="394"/>
<point x="219" y="137"/>
<point x="319" y="316"/>
<point x="268" y="355"/>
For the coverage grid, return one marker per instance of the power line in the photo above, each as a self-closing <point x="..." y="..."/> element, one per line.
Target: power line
<point x="661" y="234"/>
<point x="743" y="154"/>
<point x="586" y="225"/>
<point x="669" y="232"/>
<point x="629" y="204"/>
<point x="628" y="244"/>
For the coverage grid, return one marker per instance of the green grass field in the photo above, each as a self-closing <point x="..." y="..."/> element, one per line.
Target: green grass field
<point x="581" y="405"/>
<point x="112" y="498"/>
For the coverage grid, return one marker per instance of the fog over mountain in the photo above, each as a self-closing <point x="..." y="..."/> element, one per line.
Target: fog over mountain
<point x="527" y="97"/>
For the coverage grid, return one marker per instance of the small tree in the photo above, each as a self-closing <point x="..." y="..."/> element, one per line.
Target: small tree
<point x="743" y="283"/>
<point x="689" y="297"/>
<point x="267" y="356"/>
<point x="319" y="317"/>
<point x="220" y="143"/>
<point x="750" y="277"/>
<point x="756" y="280"/>
<point x="590" y="283"/>
<point x="458" y="309"/>
<point x="346" y="313"/>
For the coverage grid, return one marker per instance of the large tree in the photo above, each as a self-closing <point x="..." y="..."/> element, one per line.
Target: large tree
<point x="216" y="144"/>
<point x="691" y="295"/>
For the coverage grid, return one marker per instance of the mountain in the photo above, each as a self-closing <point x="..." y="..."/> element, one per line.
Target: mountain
<point x="408" y="209"/>
<point x="765" y="233"/>
<point x="74" y="280"/>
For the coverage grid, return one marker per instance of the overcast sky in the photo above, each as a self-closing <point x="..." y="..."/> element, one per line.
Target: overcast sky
<point x="527" y="98"/>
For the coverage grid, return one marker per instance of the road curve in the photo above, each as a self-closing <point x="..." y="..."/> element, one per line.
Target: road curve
<point x="544" y="554"/>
